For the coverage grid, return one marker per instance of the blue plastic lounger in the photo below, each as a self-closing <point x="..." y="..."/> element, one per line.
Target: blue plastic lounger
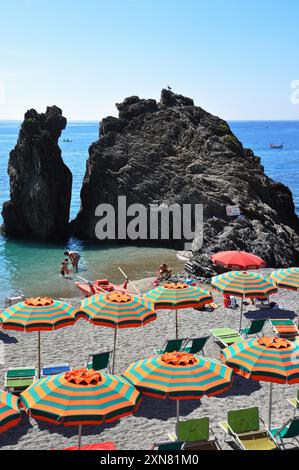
<point x="54" y="369"/>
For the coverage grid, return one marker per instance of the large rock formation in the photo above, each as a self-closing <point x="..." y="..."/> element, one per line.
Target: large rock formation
<point x="175" y="152"/>
<point x="40" y="183"/>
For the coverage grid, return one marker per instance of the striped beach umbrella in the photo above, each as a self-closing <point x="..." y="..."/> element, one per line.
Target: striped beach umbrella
<point x="80" y="397"/>
<point x="286" y="278"/>
<point x="116" y="310"/>
<point x="174" y="296"/>
<point x="237" y="260"/>
<point x="179" y="376"/>
<point x="10" y="414"/>
<point x="38" y="314"/>
<point x="269" y="359"/>
<point x="244" y="285"/>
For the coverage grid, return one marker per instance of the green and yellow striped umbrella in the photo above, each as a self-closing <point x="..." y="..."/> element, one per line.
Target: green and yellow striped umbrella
<point x="80" y="397"/>
<point x="38" y="314"/>
<point x="269" y="359"/>
<point x="178" y="295"/>
<point x="245" y="285"/>
<point x="10" y="414"/>
<point x="179" y="376"/>
<point x="286" y="278"/>
<point x="116" y="310"/>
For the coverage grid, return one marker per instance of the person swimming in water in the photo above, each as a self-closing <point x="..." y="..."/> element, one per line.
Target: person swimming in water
<point x="74" y="257"/>
<point x="64" y="267"/>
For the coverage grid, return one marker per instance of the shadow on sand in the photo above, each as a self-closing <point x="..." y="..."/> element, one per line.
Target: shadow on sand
<point x="271" y="313"/>
<point x="7" y="339"/>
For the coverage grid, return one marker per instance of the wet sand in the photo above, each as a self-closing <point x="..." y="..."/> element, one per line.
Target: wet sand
<point x="155" y="418"/>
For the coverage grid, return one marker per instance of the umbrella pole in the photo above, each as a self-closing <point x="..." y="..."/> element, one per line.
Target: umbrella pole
<point x="176" y="324"/>
<point x="39" y="355"/>
<point x="270" y="404"/>
<point x="241" y="314"/>
<point x="79" y="436"/>
<point x="177" y="419"/>
<point x="114" y="349"/>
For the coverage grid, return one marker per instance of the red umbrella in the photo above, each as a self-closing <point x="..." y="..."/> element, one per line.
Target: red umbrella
<point x="237" y="260"/>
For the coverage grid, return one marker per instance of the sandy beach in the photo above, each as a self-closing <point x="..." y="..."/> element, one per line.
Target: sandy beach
<point x="155" y="418"/>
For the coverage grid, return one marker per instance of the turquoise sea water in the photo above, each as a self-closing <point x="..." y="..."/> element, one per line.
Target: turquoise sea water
<point x="32" y="268"/>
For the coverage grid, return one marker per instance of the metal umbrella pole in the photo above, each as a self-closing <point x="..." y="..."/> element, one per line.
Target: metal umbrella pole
<point x="177" y="418"/>
<point x="270" y="404"/>
<point x="114" y="348"/>
<point x="79" y="436"/>
<point x="176" y="324"/>
<point x="241" y="314"/>
<point x="39" y="353"/>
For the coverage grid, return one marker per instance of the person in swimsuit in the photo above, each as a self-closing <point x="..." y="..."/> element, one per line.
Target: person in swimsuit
<point x="164" y="271"/>
<point x="74" y="257"/>
<point x="64" y="268"/>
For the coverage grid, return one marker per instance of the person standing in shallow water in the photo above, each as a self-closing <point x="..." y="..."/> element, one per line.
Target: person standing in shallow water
<point x="74" y="257"/>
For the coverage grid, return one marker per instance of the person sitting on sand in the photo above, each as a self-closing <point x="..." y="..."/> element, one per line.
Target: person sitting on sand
<point x="74" y="257"/>
<point x="64" y="267"/>
<point x="164" y="271"/>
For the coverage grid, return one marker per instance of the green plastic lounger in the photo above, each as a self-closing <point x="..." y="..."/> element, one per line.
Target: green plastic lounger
<point x="196" y="435"/>
<point x="19" y="378"/>
<point x="226" y="336"/>
<point x="195" y="345"/>
<point x="295" y="403"/>
<point x="176" y="445"/>
<point x="254" y="327"/>
<point x="289" y="430"/>
<point x="244" y="427"/>
<point x="284" y="328"/>
<point x="99" y="361"/>
<point x="54" y="369"/>
<point x="171" y="345"/>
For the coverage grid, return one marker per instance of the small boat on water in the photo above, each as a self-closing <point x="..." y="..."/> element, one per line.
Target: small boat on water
<point x="101" y="286"/>
<point x="274" y="146"/>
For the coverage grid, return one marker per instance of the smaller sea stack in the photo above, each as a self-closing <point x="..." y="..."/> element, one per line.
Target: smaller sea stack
<point x="40" y="182"/>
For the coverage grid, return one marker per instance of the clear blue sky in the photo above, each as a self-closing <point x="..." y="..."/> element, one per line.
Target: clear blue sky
<point x="236" y="58"/>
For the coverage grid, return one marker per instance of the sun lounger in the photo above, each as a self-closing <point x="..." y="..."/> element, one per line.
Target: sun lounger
<point x="284" y="328"/>
<point x="295" y="402"/>
<point x="171" y="345"/>
<point x="99" y="361"/>
<point x="18" y="379"/>
<point x="54" y="369"/>
<point x="196" y="435"/>
<point x="244" y="427"/>
<point x="254" y="327"/>
<point x="289" y="430"/>
<point x="195" y="345"/>
<point x="226" y="336"/>
<point x="176" y="445"/>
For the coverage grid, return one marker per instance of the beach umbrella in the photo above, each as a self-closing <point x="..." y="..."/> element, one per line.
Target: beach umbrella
<point x="80" y="397"/>
<point x="287" y="278"/>
<point x="179" y="376"/>
<point x="178" y="295"/>
<point x="118" y="310"/>
<point x="38" y="314"/>
<point x="237" y="260"/>
<point x="244" y="285"/>
<point x="10" y="414"/>
<point x="268" y="359"/>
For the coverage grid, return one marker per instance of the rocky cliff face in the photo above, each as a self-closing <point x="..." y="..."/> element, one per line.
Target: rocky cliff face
<point x="175" y="152"/>
<point x="40" y="183"/>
